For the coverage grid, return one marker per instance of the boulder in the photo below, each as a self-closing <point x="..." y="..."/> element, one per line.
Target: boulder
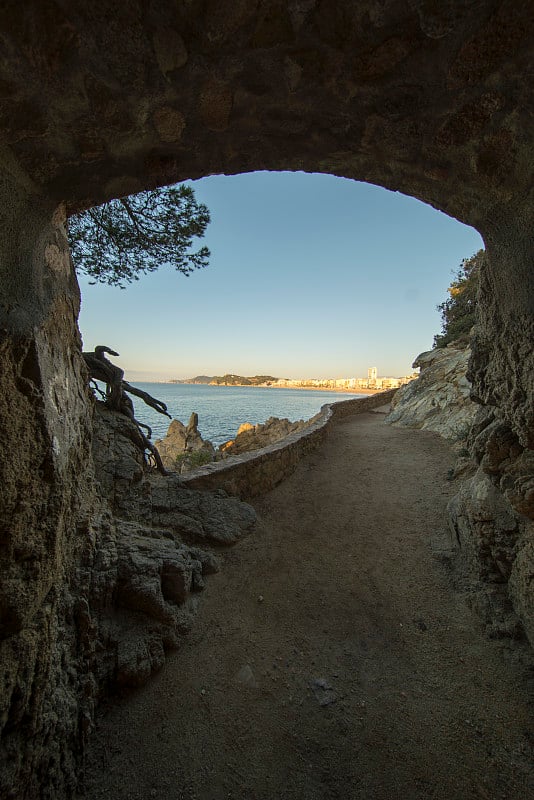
<point x="143" y="600"/>
<point x="254" y="437"/>
<point x="183" y="447"/>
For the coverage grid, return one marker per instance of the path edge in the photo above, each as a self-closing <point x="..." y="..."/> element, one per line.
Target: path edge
<point x="251" y="474"/>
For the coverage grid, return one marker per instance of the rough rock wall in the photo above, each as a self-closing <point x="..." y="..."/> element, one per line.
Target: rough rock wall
<point x="493" y="519"/>
<point x="502" y="363"/>
<point x="148" y="568"/>
<point x="492" y="514"/>
<point x="120" y="590"/>
<point x="45" y="497"/>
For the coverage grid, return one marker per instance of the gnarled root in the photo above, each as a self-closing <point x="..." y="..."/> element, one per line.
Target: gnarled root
<point x="101" y="369"/>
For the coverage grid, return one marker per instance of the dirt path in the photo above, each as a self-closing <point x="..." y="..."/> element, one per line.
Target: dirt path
<point x="331" y="657"/>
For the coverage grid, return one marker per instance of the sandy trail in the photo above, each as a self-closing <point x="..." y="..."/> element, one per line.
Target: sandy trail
<point x="361" y="674"/>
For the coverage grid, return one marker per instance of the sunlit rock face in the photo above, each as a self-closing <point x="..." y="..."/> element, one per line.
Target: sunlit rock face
<point x="439" y="400"/>
<point x="254" y="437"/>
<point x="99" y="100"/>
<point x="183" y="447"/>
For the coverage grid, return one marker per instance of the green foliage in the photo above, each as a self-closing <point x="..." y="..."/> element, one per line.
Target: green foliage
<point x="258" y="379"/>
<point x="458" y="312"/>
<point x="194" y="459"/>
<point x="117" y="242"/>
<point x="241" y="380"/>
<point x="231" y="380"/>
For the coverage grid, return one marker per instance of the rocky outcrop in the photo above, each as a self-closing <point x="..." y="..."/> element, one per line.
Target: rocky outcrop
<point x="254" y="437"/>
<point x="153" y="500"/>
<point x="140" y="600"/>
<point x="492" y="515"/>
<point x="148" y="568"/>
<point x="183" y="447"/>
<point x="439" y="399"/>
<point x="142" y="564"/>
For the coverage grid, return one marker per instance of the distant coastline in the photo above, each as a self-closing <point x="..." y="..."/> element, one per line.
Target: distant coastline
<point x="333" y="389"/>
<point x="364" y="386"/>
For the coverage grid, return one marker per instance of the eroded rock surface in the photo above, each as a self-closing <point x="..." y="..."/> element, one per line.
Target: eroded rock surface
<point x="131" y="597"/>
<point x="155" y="575"/>
<point x="439" y="399"/>
<point x="152" y="499"/>
<point x="493" y="519"/>
<point x="145" y="569"/>
<point x="492" y="515"/>
<point x="254" y="437"/>
<point x="183" y="447"/>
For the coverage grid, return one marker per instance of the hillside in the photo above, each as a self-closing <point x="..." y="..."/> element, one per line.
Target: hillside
<point x="230" y="380"/>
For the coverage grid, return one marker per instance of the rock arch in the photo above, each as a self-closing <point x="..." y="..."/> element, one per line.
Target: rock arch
<point x="98" y="100"/>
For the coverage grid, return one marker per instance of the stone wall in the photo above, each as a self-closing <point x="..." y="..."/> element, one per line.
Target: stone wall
<point x="255" y="473"/>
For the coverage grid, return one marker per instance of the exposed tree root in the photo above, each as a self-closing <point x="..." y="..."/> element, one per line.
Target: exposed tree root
<point x="101" y="369"/>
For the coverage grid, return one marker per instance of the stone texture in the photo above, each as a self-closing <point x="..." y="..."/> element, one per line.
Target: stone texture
<point x="45" y="497"/>
<point x="183" y="447"/>
<point x="431" y="99"/>
<point x="439" y="399"/>
<point x="142" y="600"/>
<point x="494" y="515"/>
<point x="495" y="546"/>
<point x="152" y="499"/>
<point x="254" y="437"/>
<point x="491" y="516"/>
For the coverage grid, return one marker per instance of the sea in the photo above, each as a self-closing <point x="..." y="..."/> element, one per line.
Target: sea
<point x="222" y="409"/>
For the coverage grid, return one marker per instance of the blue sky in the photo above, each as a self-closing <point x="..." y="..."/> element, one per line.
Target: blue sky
<point x="309" y="276"/>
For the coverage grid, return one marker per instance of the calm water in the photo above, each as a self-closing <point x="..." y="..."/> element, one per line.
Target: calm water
<point x="222" y="409"/>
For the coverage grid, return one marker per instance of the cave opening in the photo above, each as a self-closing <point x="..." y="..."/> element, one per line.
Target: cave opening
<point x="100" y="102"/>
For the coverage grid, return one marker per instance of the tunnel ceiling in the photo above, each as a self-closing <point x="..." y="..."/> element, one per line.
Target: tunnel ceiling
<point x="431" y="97"/>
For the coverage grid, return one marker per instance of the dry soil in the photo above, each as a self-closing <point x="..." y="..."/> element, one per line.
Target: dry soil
<point x="332" y="656"/>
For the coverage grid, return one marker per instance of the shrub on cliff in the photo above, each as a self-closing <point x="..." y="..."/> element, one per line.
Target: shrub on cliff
<point x="458" y="312"/>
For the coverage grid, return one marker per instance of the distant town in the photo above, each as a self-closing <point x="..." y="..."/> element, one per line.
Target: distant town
<point x="372" y="382"/>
